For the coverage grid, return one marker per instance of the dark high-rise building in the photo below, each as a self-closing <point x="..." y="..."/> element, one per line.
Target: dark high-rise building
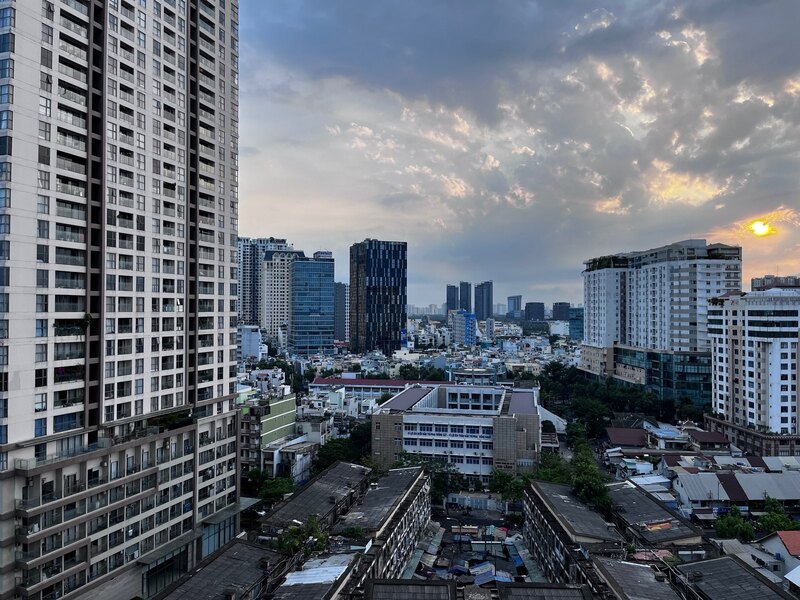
<point x="483" y="300"/>
<point x="561" y="311"/>
<point x="576" y="323"/>
<point x="465" y="296"/>
<point x="514" y="304"/>
<point x="452" y="298"/>
<point x="377" y="295"/>
<point x="311" y="305"/>
<point x="534" y="311"/>
<point x="341" y="312"/>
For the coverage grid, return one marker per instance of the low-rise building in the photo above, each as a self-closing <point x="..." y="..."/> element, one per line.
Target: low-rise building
<point x="557" y="526"/>
<point x="474" y="428"/>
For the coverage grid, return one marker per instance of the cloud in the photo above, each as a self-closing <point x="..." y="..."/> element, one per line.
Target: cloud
<point x="502" y="131"/>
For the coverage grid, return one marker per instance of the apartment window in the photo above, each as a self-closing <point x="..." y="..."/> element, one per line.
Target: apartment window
<point x="42" y="253"/>
<point x="5" y="198"/>
<point x="47" y="58"/>
<point x="40" y="427"/>
<point x="45" y="105"/>
<point x="40" y="402"/>
<point x="7" y="42"/>
<point x="46" y="82"/>
<point x="5" y="171"/>
<point x="41" y="327"/>
<point x="5" y="276"/>
<point x="40" y="355"/>
<point x="3" y="303"/>
<point x="43" y="229"/>
<point x="44" y="131"/>
<point x="42" y="278"/>
<point x="47" y="34"/>
<point x="5" y="223"/>
<point x="43" y="205"/>
<point x="44" y="180"/>
<point x="6" y="68"/>
<point x="6" y="119"/>
<point x="6" y="144"/>
<point x="4" y="334"/>
<point x="5" y="250"/>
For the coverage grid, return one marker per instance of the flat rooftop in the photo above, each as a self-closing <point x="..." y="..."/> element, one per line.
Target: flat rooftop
<point x="237" y="567"/>
<point x="543" y="591"/>
<point x="520" y="402"/>
<point x="633" y="581"/>
<point x="727" y="578"/>
<point x="651" y="520"/>
<point x="575" y="516"/>
<point x="406" y="399"/>
<point x="409" y="589"/>
<point x="314" y="498"/>
<point x="379" y="501"/>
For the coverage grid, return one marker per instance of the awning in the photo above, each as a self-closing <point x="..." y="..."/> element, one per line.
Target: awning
<point x="706" y="516"/>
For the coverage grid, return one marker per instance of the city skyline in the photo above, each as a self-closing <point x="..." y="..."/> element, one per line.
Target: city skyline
<point x="492" y="155"/>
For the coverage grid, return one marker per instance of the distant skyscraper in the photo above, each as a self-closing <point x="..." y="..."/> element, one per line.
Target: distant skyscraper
<point x="377" y="295"/>
<point x="515" y="306"/>
<point x="276" y="285"/>
<point x="341" y="312"/>
<point x="561" y="311"/>
<point x="465" y="296"/>
<point x="499" y="309"/>
<point x="311" y="306"/>
<point x="534" y="311"/>
<point x="576" y="323"/>
<point x="483" y="300"/>
<point x="251" y="264"/>
<point x="452" y="298"/>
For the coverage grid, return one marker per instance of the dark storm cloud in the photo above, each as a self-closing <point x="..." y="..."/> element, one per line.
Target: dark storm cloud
<point x="512" y="140"/>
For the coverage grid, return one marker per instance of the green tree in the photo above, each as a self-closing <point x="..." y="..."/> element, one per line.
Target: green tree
<point x="775" y="518"/>
<point x="445" y="478"/>
<point x="273" y="490"/>
<point x="733" y="525"/>
<point x="306" y="538"/>
<point x="509" y="487"/>
<point x="548" y="427"/>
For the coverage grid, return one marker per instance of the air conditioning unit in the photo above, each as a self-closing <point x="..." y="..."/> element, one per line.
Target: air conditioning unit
<point x="104" y="463"/>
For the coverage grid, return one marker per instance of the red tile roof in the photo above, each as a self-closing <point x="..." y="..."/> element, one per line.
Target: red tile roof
<point x="791" y="539"/>
<point x="623" y="436"/>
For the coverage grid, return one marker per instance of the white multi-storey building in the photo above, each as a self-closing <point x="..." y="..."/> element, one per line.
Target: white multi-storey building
<point x="474" y="428"/>
<point x="276" y="289"/>
<point x="755" y="339"/>
<point x="118" y="221"/>
<point x="656" y="301"/>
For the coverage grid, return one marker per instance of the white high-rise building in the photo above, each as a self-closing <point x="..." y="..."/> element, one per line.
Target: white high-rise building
<point x="656" y="301"/>
<point x="755" y="339"/>
<point x="276" y="288"/>
<point x="251" y="252"/>
<point x="118" y="223"/>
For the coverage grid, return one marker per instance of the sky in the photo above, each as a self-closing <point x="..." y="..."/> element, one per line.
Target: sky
<point x="512" y="140"/>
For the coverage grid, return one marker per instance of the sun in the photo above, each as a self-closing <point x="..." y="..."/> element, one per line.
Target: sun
<point x="760" y="228"/>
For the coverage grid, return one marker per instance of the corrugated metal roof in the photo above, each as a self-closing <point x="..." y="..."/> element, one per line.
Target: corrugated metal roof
<point x="702" y="486"/>
<point x="781" y="486"/>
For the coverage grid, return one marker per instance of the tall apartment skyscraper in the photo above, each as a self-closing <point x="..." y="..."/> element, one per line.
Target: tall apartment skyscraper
<point x="465" y="296"/>
<point x="483" y="300"/>
<point x="377" y="295"/>
<point x="561" y="311"/>
<point x="341" y="312"/>
<point x="276" y="285"/>
<point x="646" y="315"/>
<point x="514" y="306"/>
<point x="251" y="265"/>
<point x="534" y="311"/>
<point x="754" y="350"/>
<point x="311" y="306"/>
<point x="118" y="213"/>
<point x="452" y="298"/>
